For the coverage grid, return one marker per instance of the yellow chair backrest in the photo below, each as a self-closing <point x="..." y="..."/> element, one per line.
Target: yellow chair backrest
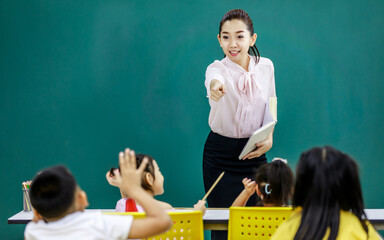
<point x="255" y="222"/>
<point x="187" y="225"/>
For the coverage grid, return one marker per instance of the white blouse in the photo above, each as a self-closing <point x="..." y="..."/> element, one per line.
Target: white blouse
<point x="241" y="110"/>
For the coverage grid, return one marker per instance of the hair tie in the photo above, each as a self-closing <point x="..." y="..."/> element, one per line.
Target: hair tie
<point x="266" y="189"/>
<point x="280" y="159"/>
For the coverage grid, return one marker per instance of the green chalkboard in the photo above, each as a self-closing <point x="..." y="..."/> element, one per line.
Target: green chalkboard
<point x="81" y="80"/>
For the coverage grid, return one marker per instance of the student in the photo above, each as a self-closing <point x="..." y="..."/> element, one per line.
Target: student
<point x="59" y="205"/>
<point x="274" y="185"/>
<point x="152" y="181"/>
<point x="328" y="199"/>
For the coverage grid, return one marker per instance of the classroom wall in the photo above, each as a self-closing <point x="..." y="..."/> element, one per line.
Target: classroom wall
<point x="82" y="80"/>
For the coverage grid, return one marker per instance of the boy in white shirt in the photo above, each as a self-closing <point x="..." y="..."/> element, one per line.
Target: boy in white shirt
<point x="59" y="205"/>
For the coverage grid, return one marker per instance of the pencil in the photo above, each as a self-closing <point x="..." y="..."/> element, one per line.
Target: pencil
<point x="213" y="186"/>
<point x="26" y="196"/>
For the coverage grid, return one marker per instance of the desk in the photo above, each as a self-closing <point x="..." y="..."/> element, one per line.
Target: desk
<point x="214" y="219"/>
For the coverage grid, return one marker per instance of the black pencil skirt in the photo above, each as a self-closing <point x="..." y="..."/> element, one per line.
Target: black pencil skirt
<point x="221" y="154"/>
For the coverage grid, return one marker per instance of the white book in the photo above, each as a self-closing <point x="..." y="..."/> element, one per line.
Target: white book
<point x="270" y="120"/>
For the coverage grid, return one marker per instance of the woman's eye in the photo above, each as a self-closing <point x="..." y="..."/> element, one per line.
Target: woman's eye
<point x="225" y="37"/>
<point x="240" y="36"/>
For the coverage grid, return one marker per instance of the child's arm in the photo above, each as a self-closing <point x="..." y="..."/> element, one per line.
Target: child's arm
<point x="164" y="205"/>
<point x="200" y="206"/>
<point x="157" y="220"/>
<point x="249" y="190"/>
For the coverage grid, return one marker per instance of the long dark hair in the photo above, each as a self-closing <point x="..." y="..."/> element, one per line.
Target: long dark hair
<point x="280" y="178"/>
<point x="327" y="181"/>
<point x="240" y="14"/>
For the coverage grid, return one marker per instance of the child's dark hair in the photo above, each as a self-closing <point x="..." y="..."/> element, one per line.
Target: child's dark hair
<point x="240" y="14"/>
<point x="52" y="191"/>
<point x="327" y="181"/>
<point x="275" y="181"/>
<point x="148" y="169"/>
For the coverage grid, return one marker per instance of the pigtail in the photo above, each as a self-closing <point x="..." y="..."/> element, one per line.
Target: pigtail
<point x="255" y="52"/>
<point x="281" y="179"/>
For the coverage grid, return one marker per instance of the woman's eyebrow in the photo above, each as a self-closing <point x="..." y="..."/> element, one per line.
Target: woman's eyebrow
<point x="241" y="31"/>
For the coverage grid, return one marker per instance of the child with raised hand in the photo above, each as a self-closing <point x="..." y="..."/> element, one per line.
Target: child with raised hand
<point x="152" y="181"/>
<point x="59" y="205"/>
<point x="327" y="199"/>
<point x="273" y="184"/>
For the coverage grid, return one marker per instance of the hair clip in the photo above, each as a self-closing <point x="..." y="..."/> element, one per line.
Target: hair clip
<point x="280" y="159"/>
<point x="266" y="189"/>
<point x="324" y="155"/>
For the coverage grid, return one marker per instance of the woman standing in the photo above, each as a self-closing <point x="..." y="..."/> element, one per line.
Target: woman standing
<point x="239" y="87"/>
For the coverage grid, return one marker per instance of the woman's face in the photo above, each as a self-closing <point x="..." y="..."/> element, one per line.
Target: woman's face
<point x="158" y="184"/>
<point x="235" y="40"/>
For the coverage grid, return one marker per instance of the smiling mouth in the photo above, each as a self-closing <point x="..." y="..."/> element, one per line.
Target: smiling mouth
<point x="234" y="53"/>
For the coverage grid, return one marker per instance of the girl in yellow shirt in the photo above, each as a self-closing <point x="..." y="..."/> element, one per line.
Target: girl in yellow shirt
<point x="328" y="199"/>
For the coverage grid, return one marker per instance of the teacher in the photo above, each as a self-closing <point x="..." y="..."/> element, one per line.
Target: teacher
<point x="239" y="87"/>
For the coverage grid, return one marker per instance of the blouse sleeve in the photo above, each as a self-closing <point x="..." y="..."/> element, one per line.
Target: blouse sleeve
<point x="214" y="71"/>
<point x="272" y="90"/>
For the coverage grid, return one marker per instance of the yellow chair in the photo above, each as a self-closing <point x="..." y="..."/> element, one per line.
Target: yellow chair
<point x="187" y="225"/>
<point x="255" y="222"/>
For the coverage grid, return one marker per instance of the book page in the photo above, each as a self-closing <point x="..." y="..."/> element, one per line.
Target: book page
<point x="270" y="111"/>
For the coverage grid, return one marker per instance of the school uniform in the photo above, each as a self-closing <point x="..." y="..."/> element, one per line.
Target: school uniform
<point x="128" y="205"/>
<point x="349" y="228"/>
<point x="81" y="225"/>
<point x="232" y="120"/>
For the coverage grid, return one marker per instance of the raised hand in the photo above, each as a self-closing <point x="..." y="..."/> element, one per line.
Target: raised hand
<point x="129" y="177"/>
<point x="249" y="186"/>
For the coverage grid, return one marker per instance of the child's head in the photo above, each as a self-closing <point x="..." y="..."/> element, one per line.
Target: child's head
<point x="152" y="179"/>
<point x="326" y="176"/>
<point x="237" y="37"/>
<point x="275" y="182"/>
<point x="54" y="193"/>
<point x="327" y="181"/>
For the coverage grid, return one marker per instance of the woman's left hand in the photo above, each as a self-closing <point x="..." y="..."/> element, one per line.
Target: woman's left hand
<point x="262" y="147"/>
